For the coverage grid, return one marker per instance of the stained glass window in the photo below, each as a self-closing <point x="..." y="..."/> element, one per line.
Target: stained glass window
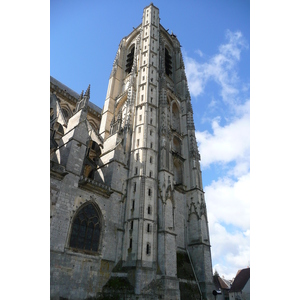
<point x="86" y="229"/>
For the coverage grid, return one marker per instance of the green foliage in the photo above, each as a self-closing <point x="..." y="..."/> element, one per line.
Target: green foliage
<point x="118" y="283"/>
<point x="184" y="268"/>
<point x="189" y="291"/>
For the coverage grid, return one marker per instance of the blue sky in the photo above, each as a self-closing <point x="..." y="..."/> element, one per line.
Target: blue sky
<point x="215" y="39"/>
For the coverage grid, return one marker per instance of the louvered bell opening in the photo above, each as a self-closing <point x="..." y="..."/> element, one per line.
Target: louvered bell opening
<point x="168" y="62"/>
<point x="129" y="61"/>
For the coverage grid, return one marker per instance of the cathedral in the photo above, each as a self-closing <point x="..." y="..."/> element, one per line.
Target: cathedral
<point x="128" y="216"/>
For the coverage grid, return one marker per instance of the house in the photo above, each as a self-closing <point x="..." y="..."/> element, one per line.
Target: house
<point x="240" y="288"/>
<point x="222" y="286"/>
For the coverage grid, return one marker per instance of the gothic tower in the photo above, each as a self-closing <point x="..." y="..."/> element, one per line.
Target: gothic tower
<point x="151" y="157"/>
<point x="128" y="217"/>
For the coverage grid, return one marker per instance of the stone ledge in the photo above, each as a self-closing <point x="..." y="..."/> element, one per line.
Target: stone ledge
<point x="57" y="171"/>
<point x="94" y="186"/>
<point x="180" y="187"/>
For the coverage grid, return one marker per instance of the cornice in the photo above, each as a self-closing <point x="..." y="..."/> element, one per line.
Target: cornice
<point x="94" y="186"/>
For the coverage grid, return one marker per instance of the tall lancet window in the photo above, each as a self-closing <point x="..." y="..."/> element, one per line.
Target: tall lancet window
<point x="129" y="61"/>
<point x="168" y="62"/>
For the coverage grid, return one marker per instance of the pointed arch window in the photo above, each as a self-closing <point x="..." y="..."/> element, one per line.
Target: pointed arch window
<point x="175" y="117"/>
<point x="65" y="113"/>
<point x="86" y="229"/>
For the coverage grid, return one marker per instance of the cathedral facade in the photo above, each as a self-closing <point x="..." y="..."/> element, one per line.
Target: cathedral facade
<point x="128" y="212"/>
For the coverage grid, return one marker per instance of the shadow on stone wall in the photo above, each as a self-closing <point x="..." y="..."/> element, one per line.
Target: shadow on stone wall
<point x="188" y="289"/>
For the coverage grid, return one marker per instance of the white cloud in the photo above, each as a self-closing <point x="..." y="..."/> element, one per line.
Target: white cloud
<point x="228" y="206"/>
<point x="199" y="52"/>
<point x="230" y="143"/>
<point x="233" y="47"/>
<point x="226" y="145"/>
<point x="230" y="251"/>
<point x="228" y="198"/>
<point x="221" y="68"/>
<point x="228" y="201"/>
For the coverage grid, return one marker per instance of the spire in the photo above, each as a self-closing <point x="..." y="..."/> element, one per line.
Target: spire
<point x="81" y="96"/>
<point x="83" y="100"/>
<point x="87" y="93"/>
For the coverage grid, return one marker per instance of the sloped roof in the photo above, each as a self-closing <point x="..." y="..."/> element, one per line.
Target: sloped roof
<point x="74" y="94"/>
<point x="221" y="283"/>
<point x="228" y="282"/>
<point x="240" y="280"/>
<point x="64" y="87"/>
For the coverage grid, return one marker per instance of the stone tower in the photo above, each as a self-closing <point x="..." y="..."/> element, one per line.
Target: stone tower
<point x="148" y="120"/>
<point x="128" y="212"/>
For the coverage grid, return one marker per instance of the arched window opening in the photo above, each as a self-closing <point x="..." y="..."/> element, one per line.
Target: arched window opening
<point x="178" y="178"/>
<point x="175" y="118"/>
<point x="65" y="113"/>
<point x="168" y="62"/>
<point x="86" y="229"/>
<point x="129" y="61"/>
<point x="176" y="145"/>
<point x="148" y="249"/>
<point x="94" y="125"/>
<point x="94" y="151"/>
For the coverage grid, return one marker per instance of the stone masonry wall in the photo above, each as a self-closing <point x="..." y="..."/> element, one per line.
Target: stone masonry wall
<point x="77" y="275"/>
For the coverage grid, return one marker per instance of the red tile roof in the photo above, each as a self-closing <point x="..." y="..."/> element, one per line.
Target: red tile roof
<point x="240" y="280"/>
